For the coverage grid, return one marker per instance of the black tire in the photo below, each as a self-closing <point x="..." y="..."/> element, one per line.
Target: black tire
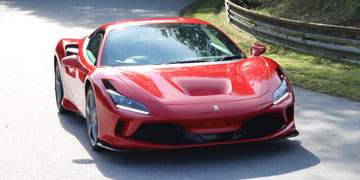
<point x="59" y="91"/>
<point x="92" y="120"/>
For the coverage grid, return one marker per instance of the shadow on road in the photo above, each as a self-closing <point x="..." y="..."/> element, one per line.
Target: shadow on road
<point x="250" y="160"/>
<point x="331" y="121"/>
<point x="95" y="13"/>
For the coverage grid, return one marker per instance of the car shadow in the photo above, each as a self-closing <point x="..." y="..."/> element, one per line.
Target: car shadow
<point x="238" y="161"/>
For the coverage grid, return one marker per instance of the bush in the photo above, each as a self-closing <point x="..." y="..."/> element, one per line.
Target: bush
<point x="249" y="4"/>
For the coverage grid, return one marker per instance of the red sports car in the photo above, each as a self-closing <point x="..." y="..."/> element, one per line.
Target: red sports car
<point x="171" y="83"/>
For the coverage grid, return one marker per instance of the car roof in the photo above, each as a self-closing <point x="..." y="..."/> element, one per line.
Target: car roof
<point x="127" y="23"/>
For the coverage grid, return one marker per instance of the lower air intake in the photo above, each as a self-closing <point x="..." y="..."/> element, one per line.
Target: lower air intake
<point x="172" y="134"/>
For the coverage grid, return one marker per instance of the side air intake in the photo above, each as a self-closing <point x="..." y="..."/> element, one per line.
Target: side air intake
<point x="71" y="50"/>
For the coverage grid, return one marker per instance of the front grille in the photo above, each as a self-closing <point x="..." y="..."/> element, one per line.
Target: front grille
<point x="172" y="134"/>
<point x="262" y="125"/>
<point x="161" y="133"/>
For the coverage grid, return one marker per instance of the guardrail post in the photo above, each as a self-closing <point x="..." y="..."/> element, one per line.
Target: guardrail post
<point x="227" y="11"/>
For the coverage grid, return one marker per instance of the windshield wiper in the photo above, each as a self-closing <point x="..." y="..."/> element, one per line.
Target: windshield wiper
<point x="181" y="62"/>
<point x="193" y="61"/>
<point x="229" y="58"/>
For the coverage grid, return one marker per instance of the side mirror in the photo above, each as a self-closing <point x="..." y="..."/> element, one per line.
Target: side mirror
<point x="257" y="49"/>
<point x="74" y="62"/>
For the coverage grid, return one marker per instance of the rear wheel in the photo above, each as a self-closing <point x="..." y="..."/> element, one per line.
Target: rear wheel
<point x="92" y="120"/>
<point x="59" y="91"/>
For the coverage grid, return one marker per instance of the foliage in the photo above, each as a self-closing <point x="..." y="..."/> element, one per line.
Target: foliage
<point x="249" y="4"/>
<point x="338" y="12"/>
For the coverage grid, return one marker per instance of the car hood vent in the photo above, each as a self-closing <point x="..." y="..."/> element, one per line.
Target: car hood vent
<point x="199" y="83"/>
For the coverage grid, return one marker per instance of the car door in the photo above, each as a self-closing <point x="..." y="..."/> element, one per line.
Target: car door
<point x="91" y="56"/>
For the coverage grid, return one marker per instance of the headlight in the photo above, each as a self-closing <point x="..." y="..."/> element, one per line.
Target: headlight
<point x="281" y="92"/>
<point x="127" y="104"/>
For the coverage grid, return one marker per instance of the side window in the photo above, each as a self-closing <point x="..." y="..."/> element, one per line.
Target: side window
<point x="92" y="50"/>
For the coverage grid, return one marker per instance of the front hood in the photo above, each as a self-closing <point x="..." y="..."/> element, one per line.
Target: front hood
<point x="198" y="83"/>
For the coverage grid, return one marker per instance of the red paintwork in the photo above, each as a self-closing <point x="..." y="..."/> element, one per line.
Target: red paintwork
<point x="183" y="94"/>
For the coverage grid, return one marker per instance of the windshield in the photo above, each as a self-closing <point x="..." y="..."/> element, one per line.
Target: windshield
<point x="166" y="43"/>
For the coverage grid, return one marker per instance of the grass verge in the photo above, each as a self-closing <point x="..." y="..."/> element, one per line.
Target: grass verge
<point x="305" y="70"/>
<point x="339" y="12"/>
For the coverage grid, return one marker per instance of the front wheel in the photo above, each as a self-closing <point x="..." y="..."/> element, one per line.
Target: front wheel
<point x="92" y="120"/>
<point x="59" y="91"/>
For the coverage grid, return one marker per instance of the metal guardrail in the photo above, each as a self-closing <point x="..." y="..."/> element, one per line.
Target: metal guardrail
<point x="340" y="42"/>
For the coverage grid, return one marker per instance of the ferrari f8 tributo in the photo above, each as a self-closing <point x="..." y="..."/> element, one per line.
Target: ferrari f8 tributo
<point x="171" y="83"/>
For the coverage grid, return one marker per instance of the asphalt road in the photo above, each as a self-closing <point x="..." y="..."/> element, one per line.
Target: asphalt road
<point x="38" y="143"/>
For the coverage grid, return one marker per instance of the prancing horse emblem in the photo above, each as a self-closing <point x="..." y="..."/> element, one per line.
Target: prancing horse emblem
<point x="216" y="107"/>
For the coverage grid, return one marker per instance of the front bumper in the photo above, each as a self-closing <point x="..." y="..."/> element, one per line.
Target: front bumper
<point x="117" y="127"/>
<point x="287" y="132"/>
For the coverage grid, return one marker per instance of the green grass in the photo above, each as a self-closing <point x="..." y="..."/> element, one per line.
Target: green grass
<point x="303" y="69"/>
